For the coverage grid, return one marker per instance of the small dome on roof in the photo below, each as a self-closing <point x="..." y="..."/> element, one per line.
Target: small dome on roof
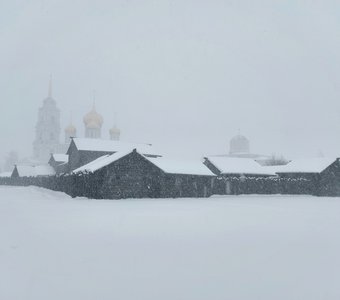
<point x="239" y="144"/>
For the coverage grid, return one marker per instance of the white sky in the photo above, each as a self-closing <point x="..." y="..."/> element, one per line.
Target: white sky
<point x="181" y="74"/>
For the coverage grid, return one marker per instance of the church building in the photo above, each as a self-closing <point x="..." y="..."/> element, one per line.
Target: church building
<point x="47" y="137"/>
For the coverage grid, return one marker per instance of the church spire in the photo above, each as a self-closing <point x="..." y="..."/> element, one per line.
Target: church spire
<point x="50" y="87"/>
<point x="114" y="119"/>
<point x="94" y="101"/>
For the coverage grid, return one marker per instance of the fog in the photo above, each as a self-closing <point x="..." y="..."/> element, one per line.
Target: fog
<point x="184" y="75"/>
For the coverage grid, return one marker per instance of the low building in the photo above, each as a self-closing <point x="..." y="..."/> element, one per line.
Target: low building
<point x="20" y="171"/>
<point x="131" y="174"/>
<point x="85" y="150"/>
<point x="231" y="166"/>
<point x="59" y="162"/>
<point x="320" y="176"/>
<point x="231" y="171"/>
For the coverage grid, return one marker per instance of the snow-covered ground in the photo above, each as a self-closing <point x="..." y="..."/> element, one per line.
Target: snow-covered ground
<point x="246" y="247"/>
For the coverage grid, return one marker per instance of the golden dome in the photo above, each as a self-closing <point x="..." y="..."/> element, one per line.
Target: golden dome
<point x="114" y="130"/>
<point x="70" y="129"/>
<point x="93" y="119"/>
<point x="93" y="125"/>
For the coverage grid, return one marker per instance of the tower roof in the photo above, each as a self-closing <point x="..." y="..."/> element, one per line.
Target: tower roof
<point x="93" y="119"/>
<point x="114" y="130"/>
<point x="50" y="88"/>
<point x="71" y="129"/>
<point x="239" y="144"/>
<point x="49" y="99"/>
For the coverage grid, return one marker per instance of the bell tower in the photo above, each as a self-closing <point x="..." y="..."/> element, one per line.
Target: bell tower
<point x="47" y="130"/>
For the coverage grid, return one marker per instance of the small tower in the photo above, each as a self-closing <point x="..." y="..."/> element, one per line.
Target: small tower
<point x="47" y="130"/>
<point x="114" y="133"/>
<point x="93" y="124"/>
<point x="239" y="144"/>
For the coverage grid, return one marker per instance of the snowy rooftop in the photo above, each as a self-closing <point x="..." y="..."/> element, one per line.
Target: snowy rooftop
<point x="60" y="157"/>
<point x="5" y="174"/>
<point x="101" y="162"/>
<point x="84" y="144"/>
<point x="181" y="166"/>
<point x="307" y="165"/>
<point x="172" y="166"/>
<point x="232" y="165"/>
<point x="33" y="171"/>
<point x="273" y="169"/>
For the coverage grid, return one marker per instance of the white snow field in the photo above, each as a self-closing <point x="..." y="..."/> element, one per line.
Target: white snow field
<point x="245" y="247"/>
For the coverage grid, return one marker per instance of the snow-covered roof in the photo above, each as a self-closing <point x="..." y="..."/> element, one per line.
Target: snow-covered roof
<point x="60" y="158"/>
<point x="34" y="171"/>
<point x="25" y="171"/>
<point x="233" y="165"/>
<point x="172" y="166"/>
<point x="101" y="162"/>
<point x="181" y="166"/>
<point x="273" y="169"/>
<point x="307" y="165"/>
<point x="44" y="170"/>
<point x="5" y="174"/>
<point x="99" y="145"/>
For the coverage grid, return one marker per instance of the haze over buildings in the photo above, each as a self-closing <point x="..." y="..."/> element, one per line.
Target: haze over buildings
<point x="183" y="75"/>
